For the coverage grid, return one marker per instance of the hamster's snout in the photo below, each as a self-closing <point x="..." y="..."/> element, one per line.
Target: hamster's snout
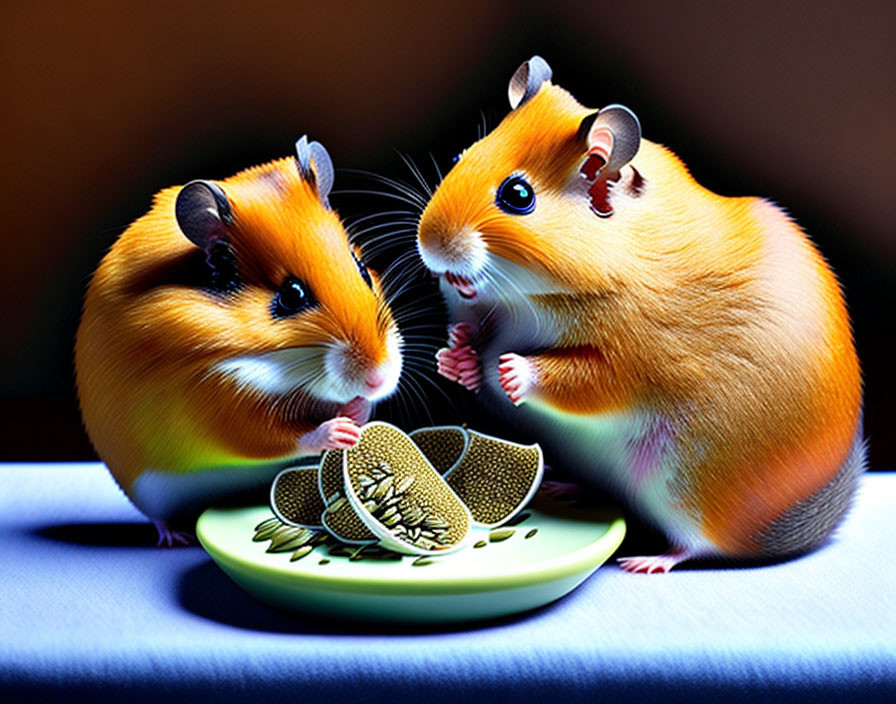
<point x="352" y="371"/>
<point x="375" y="379"/>
<point x="460" y="251"/>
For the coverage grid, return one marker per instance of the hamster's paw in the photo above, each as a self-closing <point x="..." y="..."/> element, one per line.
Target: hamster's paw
<point x="656" y="563"/>
<point x="168" y="537"/>
<point x="460" y="364"/>
<point x="460" y="334"/>
<point x="516" y="377"/>
<point x="335" y="434"/>
<point x="358" y="409"/>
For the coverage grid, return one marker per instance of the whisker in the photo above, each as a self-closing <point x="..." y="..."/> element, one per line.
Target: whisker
<point x="416" y="201"/>
<point x="408" y="226"/>
<point x="400" y="186"/>
<point x="438" y="170"/>
<point x="414" y="388"/>
<point x="416" y="172"/>
<point x="357" y="220"/>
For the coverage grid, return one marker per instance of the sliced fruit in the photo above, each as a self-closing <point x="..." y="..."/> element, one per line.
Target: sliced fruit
<point x="496" y="478"/>
<point x="295" y="499"/>
<point x="338" y="516"/>
<point x="442" y="445"/>
<point x="400" y="497"/>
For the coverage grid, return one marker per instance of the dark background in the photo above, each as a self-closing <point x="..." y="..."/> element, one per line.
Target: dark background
<point x="107" y="103"/>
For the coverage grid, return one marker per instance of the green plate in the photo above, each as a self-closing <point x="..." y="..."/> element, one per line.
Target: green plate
<point x="507" y="577"/>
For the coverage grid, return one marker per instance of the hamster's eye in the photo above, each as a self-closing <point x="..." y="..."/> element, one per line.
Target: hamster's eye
<point x="292" y="298"/>
<point x="364" y="273"/>
<point x="515" y="196"/>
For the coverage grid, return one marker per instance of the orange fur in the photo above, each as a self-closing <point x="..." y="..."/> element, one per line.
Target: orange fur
<point x="715" y="312"/>
<point x="149" y="339"/>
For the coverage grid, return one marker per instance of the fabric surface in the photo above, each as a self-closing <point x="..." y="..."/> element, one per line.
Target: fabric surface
<point x="89" y="607"/>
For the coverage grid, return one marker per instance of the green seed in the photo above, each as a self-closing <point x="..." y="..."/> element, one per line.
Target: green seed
<point x="480" y="544"/>
<point x="389" y="512"/>
<point x="531" y="533"/>
<point x="420" y="561"/>
<point x="285" y="529"/>
<point x="272" y="522"/>
<point x="300" y="553"/>
<point x="288" y="534"/>
<point x="383" y="487"/>
<point x="496" y="536"/>
<point x="290" y="544"/>
<point x="324" y="561"/>
<point x="391" y="520"/>
<point x="264" y="534"/>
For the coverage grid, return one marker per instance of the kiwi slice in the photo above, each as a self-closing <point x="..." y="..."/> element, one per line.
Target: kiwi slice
<point x="496" y="478"/>
<point x="295" y="499"/>
<point x="443" y="445"/>
<point x="338" y="516"/>
<point x="400" y="497"/>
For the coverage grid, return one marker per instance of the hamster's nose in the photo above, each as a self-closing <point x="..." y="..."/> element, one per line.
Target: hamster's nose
<point x="461" y="250"/>
<point x="374" y="379"/>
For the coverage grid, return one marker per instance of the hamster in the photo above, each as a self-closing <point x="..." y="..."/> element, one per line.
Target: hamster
<point x="691" y="353"/>
<point x="229" y="331"/>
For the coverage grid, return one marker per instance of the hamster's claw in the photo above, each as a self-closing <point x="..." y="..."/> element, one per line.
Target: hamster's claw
<point x="460" y="364"/>
<point x="335" y="434"/>
<point x="659" y="564"/>
<point x="516" y="377"/>
<point x="168" y="537"/>
<point x="459" y="334"/>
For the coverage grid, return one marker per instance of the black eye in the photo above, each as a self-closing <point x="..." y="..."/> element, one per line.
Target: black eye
<point x="364" y="273"/>
<point x="292" y="298"/>
<point x="515" y="196"/>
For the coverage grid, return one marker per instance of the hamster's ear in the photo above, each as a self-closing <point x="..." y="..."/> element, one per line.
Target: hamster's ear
<point x="613" y="136"/>
<point x="315" y="166"/>
<point x="323" y="166"/>
<point x="203" y="213"/>
<point x="527" y="80"/>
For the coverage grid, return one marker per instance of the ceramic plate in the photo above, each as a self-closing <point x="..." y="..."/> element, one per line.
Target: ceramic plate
<point x="502" y="578"/>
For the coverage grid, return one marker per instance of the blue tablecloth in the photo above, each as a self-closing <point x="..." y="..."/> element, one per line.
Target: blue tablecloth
<point x="89" y="608"/>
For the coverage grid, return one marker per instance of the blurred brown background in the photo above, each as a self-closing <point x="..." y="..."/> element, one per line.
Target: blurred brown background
<point x="106" y="103"/>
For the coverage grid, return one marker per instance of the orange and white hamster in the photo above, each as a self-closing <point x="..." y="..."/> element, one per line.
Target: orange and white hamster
<point x="690" y="352"/>
<point x="229" y="331"/>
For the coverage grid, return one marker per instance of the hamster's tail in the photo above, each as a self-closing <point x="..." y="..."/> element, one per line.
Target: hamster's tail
<point x="808" y="525"/>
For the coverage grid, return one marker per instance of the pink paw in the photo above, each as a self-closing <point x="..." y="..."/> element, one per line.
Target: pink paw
<point x="659" y="564"/>
<point x="516" y="377"/>
<point x="460" y="334"/>
<point x="168" y="536"/>
<point x="459" y="362"/>
<point x="335" y="434"/>
<point x="358" y="410"/>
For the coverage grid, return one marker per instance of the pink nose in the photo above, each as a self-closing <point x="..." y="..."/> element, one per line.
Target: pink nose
<point x="374" y="379"/>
